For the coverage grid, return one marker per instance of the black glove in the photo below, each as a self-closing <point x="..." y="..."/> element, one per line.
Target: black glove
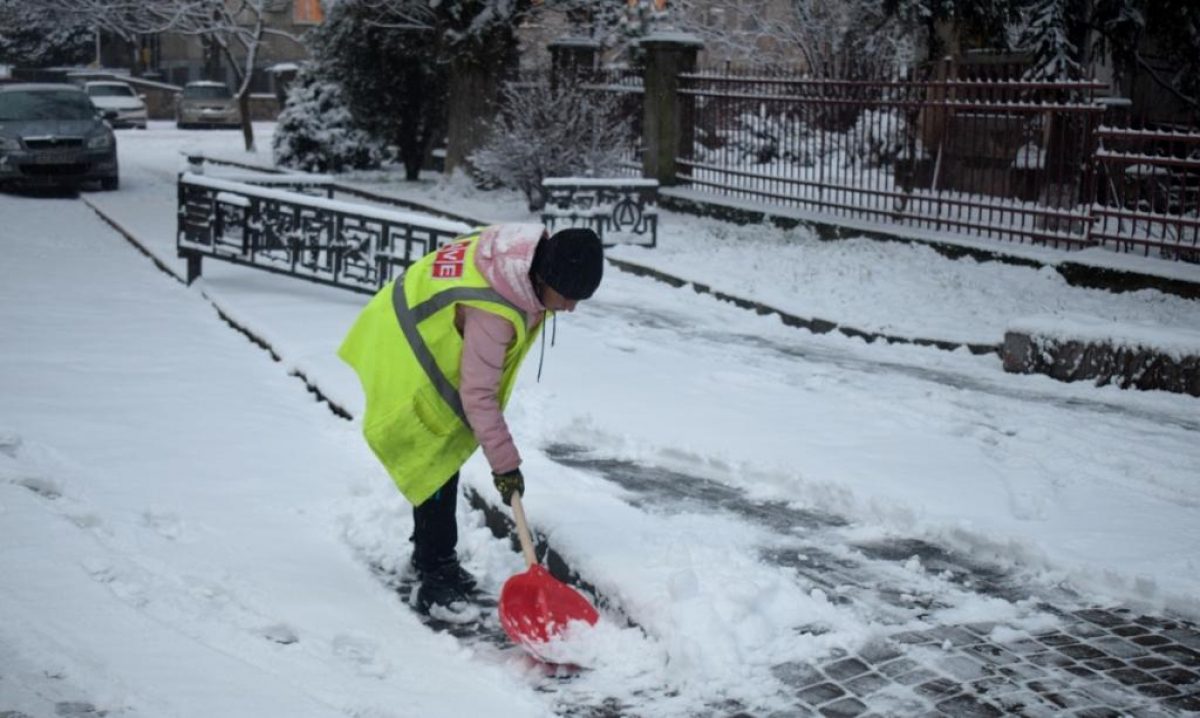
<point x="509" y="483"/>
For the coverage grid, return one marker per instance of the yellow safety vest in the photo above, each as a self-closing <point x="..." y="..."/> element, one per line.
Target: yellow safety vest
<point x="407" y="353"/>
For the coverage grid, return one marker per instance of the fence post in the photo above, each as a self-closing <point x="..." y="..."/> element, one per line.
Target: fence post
<point x="664" y="129"/>
<point x="572" y="57"/>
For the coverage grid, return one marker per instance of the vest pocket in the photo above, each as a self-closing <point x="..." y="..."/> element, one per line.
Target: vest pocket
<point x="433" y="412"/>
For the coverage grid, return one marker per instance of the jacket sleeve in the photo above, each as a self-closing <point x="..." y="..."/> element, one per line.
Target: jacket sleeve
<point x="486" y="338"/>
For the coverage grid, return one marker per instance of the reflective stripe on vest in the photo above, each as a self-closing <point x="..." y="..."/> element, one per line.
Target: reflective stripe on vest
<point x="409" y="318"/>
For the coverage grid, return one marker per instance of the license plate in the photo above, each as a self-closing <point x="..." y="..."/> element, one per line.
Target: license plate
<point x="56" y="157"/>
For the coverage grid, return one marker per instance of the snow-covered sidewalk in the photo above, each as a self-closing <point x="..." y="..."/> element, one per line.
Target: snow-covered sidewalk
<point x="172" y="508"/>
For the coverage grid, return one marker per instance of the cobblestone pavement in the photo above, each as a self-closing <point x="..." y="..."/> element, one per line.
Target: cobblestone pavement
<point x="1088" y="662"/>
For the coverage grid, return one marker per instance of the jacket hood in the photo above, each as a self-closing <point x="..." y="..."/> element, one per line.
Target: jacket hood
<point x="504" y="255"/>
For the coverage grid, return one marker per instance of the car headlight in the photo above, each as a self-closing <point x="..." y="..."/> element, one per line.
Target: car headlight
<point x="9" y="143"/>
<point x="100" y="142"/>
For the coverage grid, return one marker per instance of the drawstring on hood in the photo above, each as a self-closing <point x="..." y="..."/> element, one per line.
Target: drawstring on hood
<point x="553" y="336"/>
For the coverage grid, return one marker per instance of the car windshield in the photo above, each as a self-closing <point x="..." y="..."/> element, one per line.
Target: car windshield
<point x="206" y="92"/>
<point x="110" y="90"/>
<point x="45" y="105"/>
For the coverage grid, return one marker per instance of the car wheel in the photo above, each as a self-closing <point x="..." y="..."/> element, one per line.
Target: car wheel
<point x="110" y="183"/>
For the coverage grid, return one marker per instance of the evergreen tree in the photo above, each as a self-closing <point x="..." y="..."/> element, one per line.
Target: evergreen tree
<point x="389" y="77"/>
<point x="1140" y="34"/>
<point x="30" y="36"/>
<point x="316" y="132"/>
<point x="475" y="41"/>
<point x="981" y="23"/>
<point x="1048" y="36"/>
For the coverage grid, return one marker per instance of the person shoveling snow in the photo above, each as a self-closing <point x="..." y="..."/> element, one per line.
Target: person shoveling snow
<point x="437" y="352"/>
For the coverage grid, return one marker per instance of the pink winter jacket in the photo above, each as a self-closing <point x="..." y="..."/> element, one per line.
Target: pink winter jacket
<point x="503" y="255"/>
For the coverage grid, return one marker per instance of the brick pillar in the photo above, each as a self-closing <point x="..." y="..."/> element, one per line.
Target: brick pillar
<point x="667" y="127"/>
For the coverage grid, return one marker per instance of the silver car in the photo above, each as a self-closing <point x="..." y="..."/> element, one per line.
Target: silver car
<point x="206" y="103"/>
<point x="52" y="135"/>
<point x="122" y="107"/>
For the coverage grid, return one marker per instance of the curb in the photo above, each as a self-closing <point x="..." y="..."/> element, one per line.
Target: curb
<point x="815" y="325"/>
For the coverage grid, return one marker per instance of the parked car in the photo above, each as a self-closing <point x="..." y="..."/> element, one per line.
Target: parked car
<point x="122" y="107"/>
<point x="52" y="135"/>
<point x="207" y="103"/>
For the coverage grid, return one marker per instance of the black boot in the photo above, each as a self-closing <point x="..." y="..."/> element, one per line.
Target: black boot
<point x="448" y="571"/>
<point x="444" y="593"/>
<point x="445" y="587"/>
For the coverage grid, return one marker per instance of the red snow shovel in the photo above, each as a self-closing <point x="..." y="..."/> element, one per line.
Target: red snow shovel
<point x="534" y="606"/>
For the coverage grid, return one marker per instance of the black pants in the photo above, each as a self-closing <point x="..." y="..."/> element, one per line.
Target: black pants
<point x="435" y="529"/>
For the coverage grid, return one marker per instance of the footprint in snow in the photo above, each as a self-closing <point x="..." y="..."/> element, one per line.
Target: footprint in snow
<point x="10" y="443"/>
<point x="282" y="634"/>
<point x="46" y="488"/>
<point x="167" y="525"/>
<point x="73" y="709"/>
<point x="361" y="652"/>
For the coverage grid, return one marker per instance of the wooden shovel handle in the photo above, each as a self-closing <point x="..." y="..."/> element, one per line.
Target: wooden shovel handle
<point x="523" y="530"/>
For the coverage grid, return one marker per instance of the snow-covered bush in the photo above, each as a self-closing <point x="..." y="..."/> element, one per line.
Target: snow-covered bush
<point x="878" y="138"/>
<point x="561" y="132"/>
<point x="316" y="132"/>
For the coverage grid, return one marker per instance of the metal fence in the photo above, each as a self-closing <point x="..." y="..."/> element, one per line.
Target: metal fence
<point x="350" y="245"/>
<point x="1148" y="191"/>
<point x="628" y="87"/>
<point x="1007" y="159"/>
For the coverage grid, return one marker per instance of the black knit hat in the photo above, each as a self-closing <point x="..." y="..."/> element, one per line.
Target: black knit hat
<point x="571" y="261"/>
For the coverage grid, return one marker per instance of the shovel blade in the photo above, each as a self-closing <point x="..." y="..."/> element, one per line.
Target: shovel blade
<point x="535" y="607"/>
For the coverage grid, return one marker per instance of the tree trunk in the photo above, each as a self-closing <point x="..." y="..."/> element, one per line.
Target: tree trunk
<point x="247" y="128"/>
<point x="474" y="91"/>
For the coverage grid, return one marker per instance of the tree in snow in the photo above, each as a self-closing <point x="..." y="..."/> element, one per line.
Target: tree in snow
<point x="944" y="25"/>
<point x="841" y="39"/>
<point x="238" y="30"/>
<point x="30" y="36"/>
<point x="559" y="131"/>
<point x="389" y="79"/>
<point x="617" y="25"/>
<point x="476" y="41"/>
<point x="1158" y="38"/>
<point x="1054" y="34"/>
<point x="316" y="132"/>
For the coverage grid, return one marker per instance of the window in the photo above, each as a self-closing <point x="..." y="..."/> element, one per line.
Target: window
<point x="20" y="105"/>
<point x="307" y="12"/>
<point x="109" y="90"/>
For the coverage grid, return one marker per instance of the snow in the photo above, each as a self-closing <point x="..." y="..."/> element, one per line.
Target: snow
<point x="185" y="531"/>
<point x="672" y="37"/>
<point x="598" y="182"/>
<point x="1173" y="341"/>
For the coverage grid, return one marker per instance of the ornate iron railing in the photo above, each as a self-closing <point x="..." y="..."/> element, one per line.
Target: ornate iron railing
<point x="621" y="210"/>
<point x="343" y="244"/>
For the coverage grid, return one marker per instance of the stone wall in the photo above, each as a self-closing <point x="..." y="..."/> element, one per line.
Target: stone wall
<point x="1105" y="362"/>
